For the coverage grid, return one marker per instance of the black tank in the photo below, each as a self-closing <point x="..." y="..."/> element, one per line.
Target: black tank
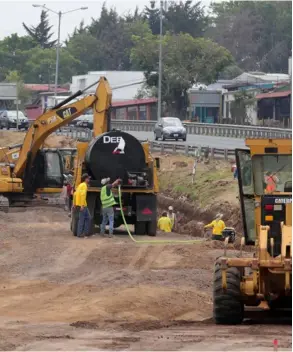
<point x="114" y="154"/>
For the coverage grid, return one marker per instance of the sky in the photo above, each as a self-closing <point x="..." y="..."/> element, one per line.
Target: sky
<point x="13" y="13"/>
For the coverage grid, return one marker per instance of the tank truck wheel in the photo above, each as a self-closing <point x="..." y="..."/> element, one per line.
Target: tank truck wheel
<point x="152" y="228"/>
<point x="140" y="228"/>
<point x="74" y="221"/>
<point x="228" y="306"/>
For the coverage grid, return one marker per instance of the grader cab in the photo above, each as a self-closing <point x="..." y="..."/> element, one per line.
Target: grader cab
<point x="262" y="279"/>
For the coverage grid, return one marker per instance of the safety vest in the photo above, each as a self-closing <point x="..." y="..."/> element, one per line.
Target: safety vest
<point x="107" y="201"/>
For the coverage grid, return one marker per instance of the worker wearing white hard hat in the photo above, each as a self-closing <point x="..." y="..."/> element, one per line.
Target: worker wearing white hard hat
<point x="107" y="201"/>
<point x="171" y="215"/>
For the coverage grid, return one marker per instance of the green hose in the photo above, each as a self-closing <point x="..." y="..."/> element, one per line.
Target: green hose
<point x="150" y="241"/>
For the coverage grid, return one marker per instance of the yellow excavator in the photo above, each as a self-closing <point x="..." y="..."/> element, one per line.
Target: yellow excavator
<point x="262" y="279"/>
<point x="27" y="169"/>
<point x="31" y="169"/>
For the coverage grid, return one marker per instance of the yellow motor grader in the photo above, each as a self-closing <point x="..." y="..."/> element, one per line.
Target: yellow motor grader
<point x="262" y="280"/>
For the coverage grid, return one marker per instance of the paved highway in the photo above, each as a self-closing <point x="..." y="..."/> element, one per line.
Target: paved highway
<point x="198" y="140"/>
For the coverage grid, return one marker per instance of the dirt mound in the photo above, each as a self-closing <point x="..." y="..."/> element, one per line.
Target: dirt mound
<point x="180" y="164"/>
<point x="8" y="138"/>
<point x="54" y="141"/>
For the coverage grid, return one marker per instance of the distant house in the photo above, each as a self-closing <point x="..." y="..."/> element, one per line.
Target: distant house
<point x="273" y="108"/>
<point x="8" y="93"/>
<point x="255" y="83"/>
<point x="125" y="84"/>
<point x="41" y="98"/>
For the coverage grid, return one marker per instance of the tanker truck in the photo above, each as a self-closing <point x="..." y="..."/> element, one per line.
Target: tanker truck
<point x="116" y="154"/>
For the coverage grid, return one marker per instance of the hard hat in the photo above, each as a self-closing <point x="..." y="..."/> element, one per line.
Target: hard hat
<point x="170" y="207"/>
<point x="104" y="181"/>
<point x="219" y="216"/>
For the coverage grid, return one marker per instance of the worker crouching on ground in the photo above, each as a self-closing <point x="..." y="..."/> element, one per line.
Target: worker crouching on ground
<point x="171" y="215"/>
<point x="218" y="226"/>
<point x="84" y="220"/>
<point x="164" y="223"/>
<point x="107" y="202"/>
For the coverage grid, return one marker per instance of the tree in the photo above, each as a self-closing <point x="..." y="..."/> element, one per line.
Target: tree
<point x="40" y="65"/>
<point x="12" y="53"/>
<point x="258" y="33"/>
<point x="87" y="50"/>
<point x="114" y="34"/>
<point x="152" y="16"/>
<point x="186" y="61"/>
<point x="41" y="33"/>
<point x="186" y="18"/>
<point x="23" y="93"/>
<point x="230" y="72"/>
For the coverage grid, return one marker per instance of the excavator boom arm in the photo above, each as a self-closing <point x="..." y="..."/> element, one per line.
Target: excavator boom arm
<point x="61" y="115"/>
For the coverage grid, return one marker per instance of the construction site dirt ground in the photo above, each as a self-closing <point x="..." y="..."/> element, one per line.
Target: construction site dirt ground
<point x="58" y="292"/>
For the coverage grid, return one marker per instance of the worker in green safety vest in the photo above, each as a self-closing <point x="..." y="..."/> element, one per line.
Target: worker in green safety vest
<point x="107" y="203"/>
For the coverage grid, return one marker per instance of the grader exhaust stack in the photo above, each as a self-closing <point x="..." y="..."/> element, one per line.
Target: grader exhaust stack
<point x="265" y="189"/>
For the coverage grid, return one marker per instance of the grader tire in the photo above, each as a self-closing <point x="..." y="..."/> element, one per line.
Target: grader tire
<point x="228" y="306"/>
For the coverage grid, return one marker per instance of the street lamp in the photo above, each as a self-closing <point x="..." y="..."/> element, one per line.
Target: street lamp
<point x="59" y="13"/>
<point x="160" y="63"/>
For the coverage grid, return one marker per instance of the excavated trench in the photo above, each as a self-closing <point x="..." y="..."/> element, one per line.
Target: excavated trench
<point x="192" y="218"/>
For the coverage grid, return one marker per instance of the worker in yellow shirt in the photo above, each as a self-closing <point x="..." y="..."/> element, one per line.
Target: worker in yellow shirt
<point x="218" y="226"/>
<point x="164" y="223"/>
<point x="84" y="220"/>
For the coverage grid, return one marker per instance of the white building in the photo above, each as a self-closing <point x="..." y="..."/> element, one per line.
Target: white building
<point x="261" y="77"/>
<point x="129" y="83"/>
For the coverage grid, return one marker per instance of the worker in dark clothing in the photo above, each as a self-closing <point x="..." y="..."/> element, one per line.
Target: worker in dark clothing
<point x="107" y="202"/>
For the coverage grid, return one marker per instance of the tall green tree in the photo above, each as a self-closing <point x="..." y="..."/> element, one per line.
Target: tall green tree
<point x="12" y="53"/>
<point x="40" y="66"/>
<point x="152" y="16"/>
<point x="187" y="60"/>
<point x="186" y="17"/>
<point x="41" y="34"/>
<point x="258" y="33"/>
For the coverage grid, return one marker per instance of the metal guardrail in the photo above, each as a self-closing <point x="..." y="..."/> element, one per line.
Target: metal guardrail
<point x="175" y="148"/>
<point x="214" y="153"/>
<point x="216" y="130"/>
<point x="75" y="133"/>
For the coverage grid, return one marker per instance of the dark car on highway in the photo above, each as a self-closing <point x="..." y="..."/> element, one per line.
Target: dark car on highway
<point x="8" y="119"/>
<point x="84" y="121"/>
<point x="170" y="128"/>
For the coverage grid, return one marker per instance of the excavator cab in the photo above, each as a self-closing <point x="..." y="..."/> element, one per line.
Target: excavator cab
<point x="46" y="172"/>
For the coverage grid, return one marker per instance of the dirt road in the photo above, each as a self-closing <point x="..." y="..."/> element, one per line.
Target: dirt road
<point x="58" y="292"/>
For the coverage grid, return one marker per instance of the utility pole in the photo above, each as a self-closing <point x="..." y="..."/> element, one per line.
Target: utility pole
<point x="17" y="107"/>
<point x="290" y="75"/>
<point x="59" y="13"/>
<point x="57" y="57"/>
<point x="160" y="63"/>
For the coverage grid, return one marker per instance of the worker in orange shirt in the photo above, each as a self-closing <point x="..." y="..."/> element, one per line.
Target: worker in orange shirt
<point x="271" y="181"/>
